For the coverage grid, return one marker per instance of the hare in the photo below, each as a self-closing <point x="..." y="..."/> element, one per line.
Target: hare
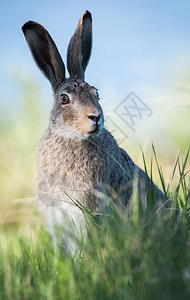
<point x="79" y="164"/>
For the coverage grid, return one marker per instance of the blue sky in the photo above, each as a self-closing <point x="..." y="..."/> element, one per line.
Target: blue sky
<point x="140" y="46"/>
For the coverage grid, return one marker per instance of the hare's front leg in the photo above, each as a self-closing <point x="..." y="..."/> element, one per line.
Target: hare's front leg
<point x="66" y="224"/>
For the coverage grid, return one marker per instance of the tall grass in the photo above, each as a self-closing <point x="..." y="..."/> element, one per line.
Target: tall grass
<point x="132" y="256"/>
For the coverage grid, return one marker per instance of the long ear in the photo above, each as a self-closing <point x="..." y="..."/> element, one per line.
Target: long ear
<point x="45" y="52"/>
<point x="79" y="48"/>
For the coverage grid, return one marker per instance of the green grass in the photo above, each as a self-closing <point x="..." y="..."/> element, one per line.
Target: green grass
<point x="132" y="256"/>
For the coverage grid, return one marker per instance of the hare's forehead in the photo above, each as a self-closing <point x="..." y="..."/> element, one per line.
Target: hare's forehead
<point x="77" y="88"/>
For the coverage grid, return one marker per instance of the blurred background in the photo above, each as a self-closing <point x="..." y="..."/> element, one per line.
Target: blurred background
<point x="138" y="46"/>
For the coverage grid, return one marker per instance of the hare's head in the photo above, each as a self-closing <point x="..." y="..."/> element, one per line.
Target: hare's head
<point x="76" y="111"/>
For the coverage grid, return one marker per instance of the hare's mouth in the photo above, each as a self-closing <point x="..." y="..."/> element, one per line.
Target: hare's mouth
<point x="95" y="131"/>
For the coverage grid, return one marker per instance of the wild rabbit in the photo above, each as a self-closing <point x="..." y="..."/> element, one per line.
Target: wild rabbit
<point x="79" y="162"/>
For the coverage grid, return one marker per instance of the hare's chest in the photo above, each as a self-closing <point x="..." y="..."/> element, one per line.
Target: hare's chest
<point x="71" y="167"/>
<point x="81" y="169"/>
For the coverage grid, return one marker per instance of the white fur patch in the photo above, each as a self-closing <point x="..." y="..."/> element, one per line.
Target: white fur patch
<point x="67" y="219"/>
<point x="68" y="132"/>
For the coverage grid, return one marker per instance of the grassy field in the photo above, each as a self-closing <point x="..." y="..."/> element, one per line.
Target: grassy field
<point x="137" y="255"/>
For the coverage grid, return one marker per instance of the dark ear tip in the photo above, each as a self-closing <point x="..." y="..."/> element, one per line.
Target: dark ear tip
<point x="29" y="26"/>
<point x="87" y="14"/>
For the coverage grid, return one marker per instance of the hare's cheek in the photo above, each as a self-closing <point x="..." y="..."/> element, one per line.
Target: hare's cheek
<point x="84" y="126"/>
<point x="67" y="116"/>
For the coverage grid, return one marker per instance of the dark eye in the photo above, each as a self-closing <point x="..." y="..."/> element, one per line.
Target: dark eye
<point x="64" y="99"/>
<point x="97" y="94"/>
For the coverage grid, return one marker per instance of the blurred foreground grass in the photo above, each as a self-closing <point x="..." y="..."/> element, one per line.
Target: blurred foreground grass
<point x="136" y="257"/>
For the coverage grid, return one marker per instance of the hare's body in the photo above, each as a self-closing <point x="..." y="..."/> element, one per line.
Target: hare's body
<point x="80" y="165"/>
<point x="87" y="170"/>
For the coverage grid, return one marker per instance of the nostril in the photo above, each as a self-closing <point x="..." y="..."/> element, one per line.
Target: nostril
<point x="94" y="118"/>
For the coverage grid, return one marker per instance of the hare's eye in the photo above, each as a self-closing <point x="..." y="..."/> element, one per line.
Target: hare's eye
<point x="97" y="94"/>
<point x="64" y="99"/>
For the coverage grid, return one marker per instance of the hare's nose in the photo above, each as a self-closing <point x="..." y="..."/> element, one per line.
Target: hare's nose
<point x="94" y="118"/>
